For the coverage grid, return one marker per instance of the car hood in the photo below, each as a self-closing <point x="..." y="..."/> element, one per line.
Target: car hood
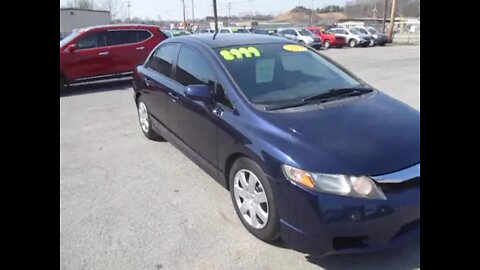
<point x="369" y="135"/>
<point x="364" y="36"/>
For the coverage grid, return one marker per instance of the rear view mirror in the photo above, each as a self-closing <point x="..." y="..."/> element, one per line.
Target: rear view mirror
<point x="71" y="48"/>
<point x="199" y="92"/>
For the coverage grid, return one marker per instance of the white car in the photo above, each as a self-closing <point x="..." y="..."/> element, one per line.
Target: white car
<point x="353" y="37"/>
<point x="302" y="36"/>
<point x="233" y="30"/>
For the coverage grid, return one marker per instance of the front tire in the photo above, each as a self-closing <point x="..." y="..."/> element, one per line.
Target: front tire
<point x="352" y="43"/>
<point x="145" y="121"/>
<point x="326" y="44"/>
<point x="253" y="200"/>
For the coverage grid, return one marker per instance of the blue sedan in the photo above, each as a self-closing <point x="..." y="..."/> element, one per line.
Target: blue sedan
<point x="308" y="151"/>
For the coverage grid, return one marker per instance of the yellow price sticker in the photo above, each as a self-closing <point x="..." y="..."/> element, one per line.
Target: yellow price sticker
<point x="239" y="53"/>
<point x="294" y="48"/>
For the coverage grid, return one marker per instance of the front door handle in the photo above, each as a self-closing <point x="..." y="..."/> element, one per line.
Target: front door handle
<point x="147" y="81"/>
<point x="103" y="53"/>
<point x="173" y="96"/>
<point x="140" y="48"/>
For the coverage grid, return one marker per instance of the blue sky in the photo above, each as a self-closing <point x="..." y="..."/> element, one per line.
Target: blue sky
<point x="172" y="9"/>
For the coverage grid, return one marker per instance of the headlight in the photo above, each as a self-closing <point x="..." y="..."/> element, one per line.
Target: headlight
<point x="309" y="39"/>
<point x="345" y="185"/>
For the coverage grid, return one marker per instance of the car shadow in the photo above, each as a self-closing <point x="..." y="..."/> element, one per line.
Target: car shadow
<point x="401" y="258"/>
<point x="95" y="87"/>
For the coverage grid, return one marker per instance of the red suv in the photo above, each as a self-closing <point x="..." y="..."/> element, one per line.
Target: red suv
<point x="328" y="39"/>
<point x="104" y="52"/>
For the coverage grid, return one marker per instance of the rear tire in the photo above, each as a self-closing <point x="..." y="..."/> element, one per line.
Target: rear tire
<point x="62" y="84"/>
<point x="254" y="195"/>
<point x="146" y="122"/>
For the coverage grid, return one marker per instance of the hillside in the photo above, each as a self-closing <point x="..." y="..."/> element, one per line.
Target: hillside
<point x="302" y="15"/>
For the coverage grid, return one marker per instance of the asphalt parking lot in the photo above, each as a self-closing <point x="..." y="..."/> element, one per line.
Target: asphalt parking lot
<point x="130" y="203"/>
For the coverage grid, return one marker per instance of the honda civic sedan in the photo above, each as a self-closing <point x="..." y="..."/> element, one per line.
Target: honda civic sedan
<point x="308" y="151"/>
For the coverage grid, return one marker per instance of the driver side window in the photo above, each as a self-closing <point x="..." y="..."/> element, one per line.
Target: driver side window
<point x="193" y="68"/>
<point x="92" y="40"/>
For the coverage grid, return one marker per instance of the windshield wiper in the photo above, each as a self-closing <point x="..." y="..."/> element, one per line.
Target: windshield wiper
<point x="331" y="94"/>
<point x="339" y="92"/>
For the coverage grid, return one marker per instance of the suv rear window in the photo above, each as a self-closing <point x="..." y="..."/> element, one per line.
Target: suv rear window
<point x="121" y="37"/>
<point x="142" y="35"/>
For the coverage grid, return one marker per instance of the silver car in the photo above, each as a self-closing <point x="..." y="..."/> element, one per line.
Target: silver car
<point x="302" y="36"/>
<point x="353" y="37"/>
<point x="380" y="38"/>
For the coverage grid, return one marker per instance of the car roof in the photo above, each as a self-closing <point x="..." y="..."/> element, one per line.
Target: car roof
<point x="227" y="40"/>
<point x="119" y="26"/>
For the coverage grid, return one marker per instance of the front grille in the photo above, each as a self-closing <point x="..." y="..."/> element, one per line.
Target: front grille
<point x="406" y="228"/>
<point x="399" y="187"/>
<point x="316" y="39"/>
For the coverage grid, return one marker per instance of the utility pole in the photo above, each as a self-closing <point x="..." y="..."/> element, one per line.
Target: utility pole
<point x="229" y="7"/>
<point x="184" y="20"/>
<point x="392" y="20"/>
<point x="311" y="14"/>
<point x="251" y="14"/>
<point x="128" y="5"/>
<point x="385" y="8"/>
<point x="193" y="16"/>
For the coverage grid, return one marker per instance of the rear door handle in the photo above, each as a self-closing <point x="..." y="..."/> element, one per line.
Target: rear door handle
<point x="103" y="53"/>
<point x="172" y="95"/>
<point x="147" y="81"/>
<point x="140" y="48"/>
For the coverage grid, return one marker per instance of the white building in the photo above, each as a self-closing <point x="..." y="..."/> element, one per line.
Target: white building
<point x="73" y="18"/>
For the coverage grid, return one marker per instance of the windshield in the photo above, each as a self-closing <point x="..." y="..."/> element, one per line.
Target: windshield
<point x="372" y="31"/>
<point x="68" y="38"/>
<point x="243" y="31"/>
<point x="363" y="31"/>
<point x="355" y="31"/>
<point x="276" y="73"/>
<point x="305" y="32"/>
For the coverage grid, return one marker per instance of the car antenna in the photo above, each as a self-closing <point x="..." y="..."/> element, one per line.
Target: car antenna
<point x="215" y="18"/>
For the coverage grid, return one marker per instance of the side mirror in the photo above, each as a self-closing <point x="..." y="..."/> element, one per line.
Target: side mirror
<point x="199" y="92"/>
<point x="71" y="48"/>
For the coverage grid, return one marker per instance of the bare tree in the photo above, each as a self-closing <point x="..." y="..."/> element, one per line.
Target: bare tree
<point x="116" y="8"/>
<point x="82" y="4"/>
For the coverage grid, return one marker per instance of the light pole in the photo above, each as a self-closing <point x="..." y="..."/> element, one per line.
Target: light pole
<point x="128" y="5"/>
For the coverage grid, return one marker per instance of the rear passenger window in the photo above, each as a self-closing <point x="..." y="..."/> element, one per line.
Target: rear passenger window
<point x="121" y="37"/>
<point x="163" y="58"/>
<point x="142" y="35"/>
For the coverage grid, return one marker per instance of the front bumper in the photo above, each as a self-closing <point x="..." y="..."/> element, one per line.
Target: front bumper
<point x="381" y="40"/>
<point x="315" y="45"/>
<point x="323" y="224"/>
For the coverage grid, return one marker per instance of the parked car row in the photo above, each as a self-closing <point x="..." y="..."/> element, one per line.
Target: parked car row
<point x="113" y="51"/>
